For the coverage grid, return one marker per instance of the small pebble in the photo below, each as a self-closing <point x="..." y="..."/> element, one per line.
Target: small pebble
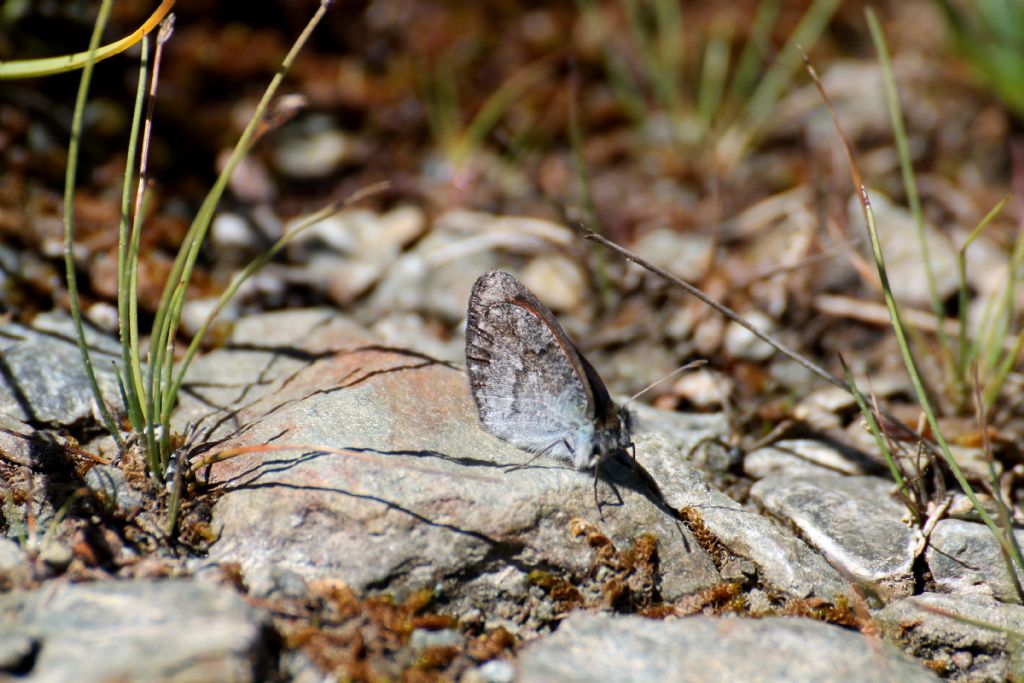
<point x="742" y="343"/>
<point x="103" y="315"/>
<point x="496" y="671"/>
<point x="421" y="639"/>
<point x="265" y="581"/>
<point x="316" y="151"/>
<point x="57" y="556"/>
<point x="17" y="651"/>
<point x="230" y="232"/>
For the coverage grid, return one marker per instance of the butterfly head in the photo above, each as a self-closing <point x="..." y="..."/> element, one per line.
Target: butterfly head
<point x="612" y="435"/>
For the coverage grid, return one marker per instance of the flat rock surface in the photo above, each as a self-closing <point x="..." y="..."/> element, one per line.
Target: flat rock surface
<point x="366" y="462"/>
<point x="601" y="647"/>
<point x="382" y="477"/>
<point x="938" y="628"/>
<point x="964" y="557"/>
<point x="854" y="521"/>
<point x="783" y="561"/>
<point x="798" y="457"/>
<point x="42" y="380"/>
<point x="171" y="630"/>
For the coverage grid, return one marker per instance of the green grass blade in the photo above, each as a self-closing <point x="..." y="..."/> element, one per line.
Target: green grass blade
<point x="254" y="266"/>
<point x="627" y="91"/>
<point x="48" y="66"/>
<point x="919" y="388"/>
<point x="761" y="104"/>
<point x="910" y="184"/>
<point x="666" y="84"/>
<point x="755" y="51"/>
<point x="876" y="432"/>
<point x="668" y="40"/>
<point x="1002" y="319"/>
<point x="1002" y="509"/>
<point x="714" y="72"/>
<point x="166" y="28"/>
<point x="995" y="387"/>
<point x="964" y="355"/>
<point x="169" y="310"/>
<point x="669" y="35"/>
<point x="901" y="338"/>
<point x="495" y="107"/>
<point x="441" y="106"/>
<point x="125" y="266"/>
<point x="69" y="200"/>
<point x="812" y="24"/>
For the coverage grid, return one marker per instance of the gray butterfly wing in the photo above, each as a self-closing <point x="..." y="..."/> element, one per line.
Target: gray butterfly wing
<point x="529" y="382"/>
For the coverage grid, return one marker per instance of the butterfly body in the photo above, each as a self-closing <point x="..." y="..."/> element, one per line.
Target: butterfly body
<point x="531" y="385"/>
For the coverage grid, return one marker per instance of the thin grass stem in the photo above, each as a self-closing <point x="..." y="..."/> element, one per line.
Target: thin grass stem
<point x="876" y="432"/>
<point x="69" y="221"/>
<point x="901" y="339"/>
<point x="965" y="354"/>
<point x="168" y="313"/>
<point x="129" y="390"/>
<point x="1003" y="511"/>
<point x="910" y="186"/>
<point x="256" y="264"/>
<point x="755" y="51"/>
<point x="33" y="68"/>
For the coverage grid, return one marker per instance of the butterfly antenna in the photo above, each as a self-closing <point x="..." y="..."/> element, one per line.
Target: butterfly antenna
<point x="688" y="366"/>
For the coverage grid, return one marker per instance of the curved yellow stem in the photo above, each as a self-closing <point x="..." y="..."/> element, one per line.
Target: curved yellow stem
<point x="30" y="68"/>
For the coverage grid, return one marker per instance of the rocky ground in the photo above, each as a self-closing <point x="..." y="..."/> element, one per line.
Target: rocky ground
<point x="369" y="525"/>
<point x="345" y="517"/>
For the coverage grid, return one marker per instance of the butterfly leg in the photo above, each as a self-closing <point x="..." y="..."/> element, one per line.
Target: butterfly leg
<point x="546" y="449"/>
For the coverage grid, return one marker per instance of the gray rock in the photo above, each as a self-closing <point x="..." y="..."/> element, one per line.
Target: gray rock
<point x="562" y="279"/>
<point x="16" y="651"/>
<point x="415" y="493"/>
<point x="104" y="316"/>
<point x="742" y="343"/>
<point x="784" y="562"/>
<point x="269" y="580"/>
<point x="25" y="446"/>
<point x="261" y="353"/>
<point x="173" y="630"/>
<point x="854" y="521"/>
<point x="230" y="234"/>
<point x="11" y="555"/>
<point x="314" y="147"/>
<point x="601" y="647"/>
<point x="966" y="651"/>
<point x="57" y="555"/>
<point x="904" y="261"/>
<point x="110" y="485"/>
<point x="798" y="457"/>
<point x="421" y="493"/>
<point x="42" y="379"/>
<point x="299" y="667"/>
<point x="421" y="639"/>
<point x="411" y="331"/>
<point x="346" y="254"/>
<point x="435" y="276"/>
<point x="964" y="557"/>
<point x="196" y="311"/>
<point x="685" y="254"/>
<point x="494" y="671"/>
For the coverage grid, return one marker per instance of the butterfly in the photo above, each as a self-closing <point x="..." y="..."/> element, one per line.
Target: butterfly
<point x="532" y="386"/>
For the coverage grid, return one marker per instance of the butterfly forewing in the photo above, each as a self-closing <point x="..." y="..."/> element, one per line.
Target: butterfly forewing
<point x="529" y="382"/>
